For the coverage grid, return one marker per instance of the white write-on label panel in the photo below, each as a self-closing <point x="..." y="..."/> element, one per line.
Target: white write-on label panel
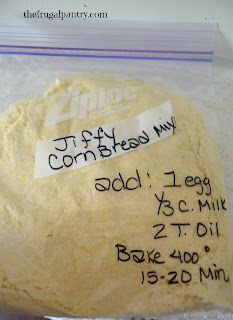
<point x="93" y="145"/>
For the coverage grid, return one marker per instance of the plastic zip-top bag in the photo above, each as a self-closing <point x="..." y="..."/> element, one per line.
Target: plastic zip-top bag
<point x="112" y="200"/>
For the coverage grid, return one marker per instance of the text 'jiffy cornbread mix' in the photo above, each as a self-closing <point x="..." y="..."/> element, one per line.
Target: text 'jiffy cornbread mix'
<point x="112" y="203"/>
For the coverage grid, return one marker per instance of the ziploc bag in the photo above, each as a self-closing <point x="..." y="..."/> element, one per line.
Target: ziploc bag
<point x="112" y="185"/>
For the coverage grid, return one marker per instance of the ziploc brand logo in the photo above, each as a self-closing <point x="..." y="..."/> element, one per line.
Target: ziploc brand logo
<point x="80" y="104"/>
<point x="93" y="145"/>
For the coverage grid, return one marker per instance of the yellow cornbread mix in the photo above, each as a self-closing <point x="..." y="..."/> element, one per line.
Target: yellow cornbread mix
<point x="112" y="203"/>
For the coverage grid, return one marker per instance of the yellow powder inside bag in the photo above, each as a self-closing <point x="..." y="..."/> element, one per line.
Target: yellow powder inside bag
<point x="159" y="245"/>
